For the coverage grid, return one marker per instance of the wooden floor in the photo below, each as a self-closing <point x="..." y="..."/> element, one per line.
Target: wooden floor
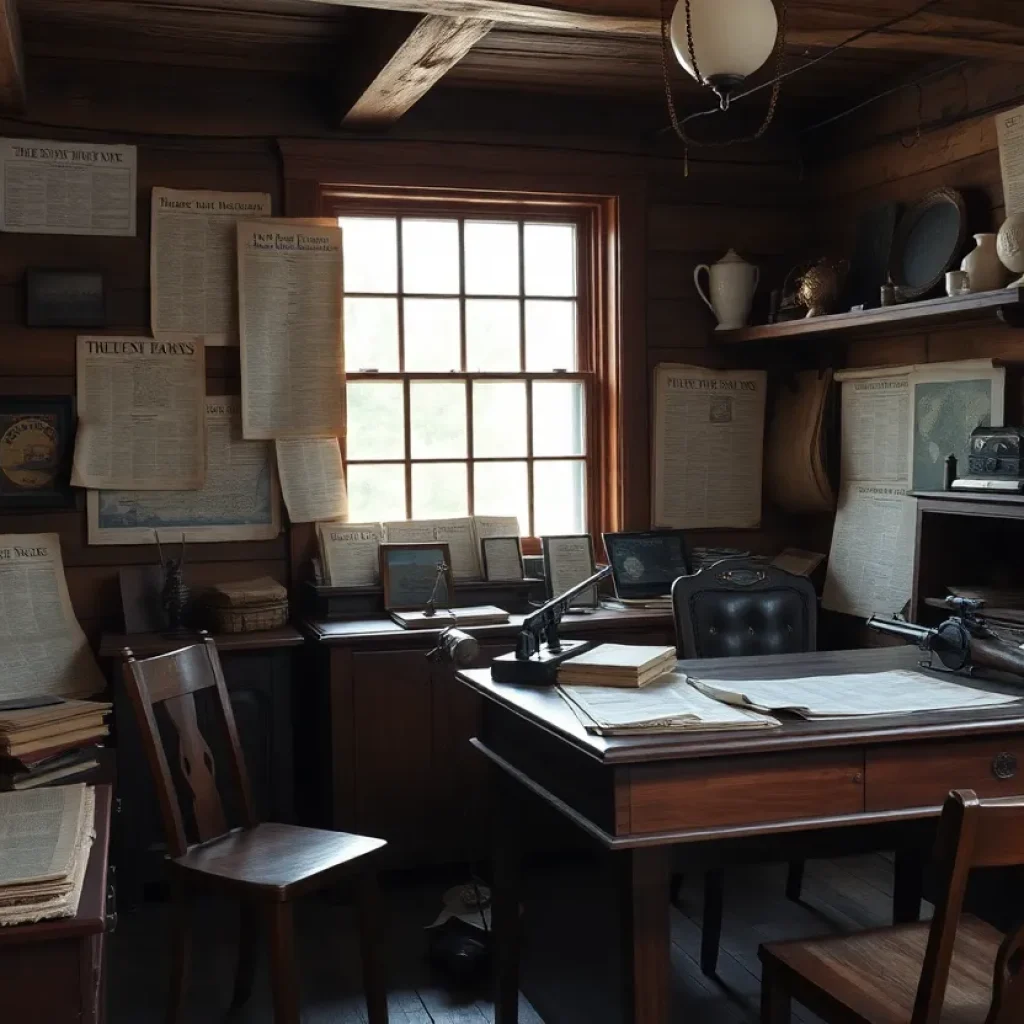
<point x="840" y="895"/>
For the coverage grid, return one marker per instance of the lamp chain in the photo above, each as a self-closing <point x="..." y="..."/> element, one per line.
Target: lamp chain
<point x="780" y="42"/>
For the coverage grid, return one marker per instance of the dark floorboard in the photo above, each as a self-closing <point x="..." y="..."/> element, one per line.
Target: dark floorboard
<point x="839" y="896"/>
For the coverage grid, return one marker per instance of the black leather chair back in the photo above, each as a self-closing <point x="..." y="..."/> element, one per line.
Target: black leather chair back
<point x="739" y="607"/>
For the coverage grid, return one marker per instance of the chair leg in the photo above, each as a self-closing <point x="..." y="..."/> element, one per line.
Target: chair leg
<point x="675" y="887"/>
<point x="371" y="938"/>
<point x="284" y="983"/>
<point x="711" y="930"/>
<point x="795" y="880"/>
<point x="248" y="936"/>
<point x="181" y="943"/>
<point x="776" y="1005"/>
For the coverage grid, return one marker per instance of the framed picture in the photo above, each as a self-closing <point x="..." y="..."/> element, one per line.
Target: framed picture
<point x="569" y="560"/>
<point x="36" y="445"/>
<point x="65" y="298"/>
<point x="503" y="558"/>
<point x="646" y="564"/>
<point x="408" y="573"/>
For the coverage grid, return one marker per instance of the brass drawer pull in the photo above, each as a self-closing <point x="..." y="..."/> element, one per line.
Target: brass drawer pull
<point x="1004" y="766"/>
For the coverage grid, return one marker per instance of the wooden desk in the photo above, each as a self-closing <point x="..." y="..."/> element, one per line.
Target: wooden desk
<point x="640" y="796"/>
<point x="54" y="970"/>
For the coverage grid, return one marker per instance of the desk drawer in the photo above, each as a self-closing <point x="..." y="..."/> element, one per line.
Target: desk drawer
<point x="718" y="792"/>
<point x="922" y="774"/>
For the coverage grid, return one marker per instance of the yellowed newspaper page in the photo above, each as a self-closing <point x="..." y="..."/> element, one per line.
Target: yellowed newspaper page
<point x="1010" y="133"/>
<point x="351" y="553"/>
<point x="459" y="534"/>
<point x="141" y="414"/>
<point x="193" y="262"/>
<point x="290" y="321"/>
<point x="39" y="830"/>
<point x="67" y="188"/>
<point x="42" y="647"/>
<point x="240" y="499"/>
<point x="312" y="479"/>
<point x="708" y="447"/>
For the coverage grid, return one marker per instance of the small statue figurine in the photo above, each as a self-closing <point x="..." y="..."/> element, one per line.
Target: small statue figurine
<point x="174" y="593"/>
<point x="440" y="580"/>
<point x="819" y="287"/>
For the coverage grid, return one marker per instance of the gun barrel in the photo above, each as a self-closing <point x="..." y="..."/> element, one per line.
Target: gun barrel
<point x="905" y="629"/>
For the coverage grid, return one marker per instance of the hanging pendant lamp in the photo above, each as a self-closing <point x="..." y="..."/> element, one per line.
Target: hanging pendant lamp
<point x="722" y="42"/>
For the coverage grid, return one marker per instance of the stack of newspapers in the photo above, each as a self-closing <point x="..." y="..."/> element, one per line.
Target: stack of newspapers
<point x="629" y="665"/>
<point x="45" y="838"/>
<point x="668" y="705"/>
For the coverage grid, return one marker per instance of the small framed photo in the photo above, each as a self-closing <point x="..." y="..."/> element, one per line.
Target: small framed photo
<point x="569" y="560"/>
<point x="36" y="444"/>
<point x="646" y="564"/>
<point x="503" y="558"/>
<point x="409" y="573"/>
<point x="65" y="298"/>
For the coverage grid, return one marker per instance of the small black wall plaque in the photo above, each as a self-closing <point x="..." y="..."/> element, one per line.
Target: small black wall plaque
<point x="65" y="298"/>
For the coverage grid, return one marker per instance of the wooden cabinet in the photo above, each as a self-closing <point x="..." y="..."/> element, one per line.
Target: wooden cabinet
<point x="384" y="734"/>
<point x="258" y="673"/>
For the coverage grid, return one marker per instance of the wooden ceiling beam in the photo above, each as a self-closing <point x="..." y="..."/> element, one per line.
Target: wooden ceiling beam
<point x="12" y="61"/>
<point x="399" y="57"/>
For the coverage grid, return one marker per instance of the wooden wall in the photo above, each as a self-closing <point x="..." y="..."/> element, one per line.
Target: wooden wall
<point x="220" y="129"/>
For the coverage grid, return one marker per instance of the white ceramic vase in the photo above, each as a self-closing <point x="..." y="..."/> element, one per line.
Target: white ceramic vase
<point x="732" y="283"/>
<point x="1010" y="246"/>
<point x="983" y="265"/>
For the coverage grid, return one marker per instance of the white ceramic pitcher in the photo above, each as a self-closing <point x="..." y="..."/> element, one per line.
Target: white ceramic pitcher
<point x="732" y="282"/>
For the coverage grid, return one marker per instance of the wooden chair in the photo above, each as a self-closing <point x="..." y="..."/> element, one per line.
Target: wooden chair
<point x="264" y="866"/>
<point x="957" y="970"/>
<point x="733" y="608"/>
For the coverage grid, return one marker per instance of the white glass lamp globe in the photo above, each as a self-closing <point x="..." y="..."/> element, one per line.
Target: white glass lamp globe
<point x="1010" y="246"/>
<point x="731" y="40"/>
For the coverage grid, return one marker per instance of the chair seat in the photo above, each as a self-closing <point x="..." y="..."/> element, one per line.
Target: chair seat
<point x="274" y="861"/>
<point x="875" y="973"/>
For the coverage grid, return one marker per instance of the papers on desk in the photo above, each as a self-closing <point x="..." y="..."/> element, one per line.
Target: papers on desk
<point x="624" y="665"/>
<point x="897" y="692"/>
<point x="668" y="705"/>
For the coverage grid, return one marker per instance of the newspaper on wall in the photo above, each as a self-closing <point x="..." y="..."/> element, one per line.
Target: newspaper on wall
<point x="239" y="500"/>
<point x="1010" y="133"/>
<point x="312" y="479"/>
<point x="351" y="553"/>
<point x="67" y="188"/>
<point x="290" y="325"/>
<point x="708" y="447"/>
<point x="42" y="647"/>
<point x="193" y="262"/>
<point x="141" y="414"/>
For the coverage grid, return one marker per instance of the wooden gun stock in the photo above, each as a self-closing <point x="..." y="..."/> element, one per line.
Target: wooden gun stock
<point x="998" y="655"/>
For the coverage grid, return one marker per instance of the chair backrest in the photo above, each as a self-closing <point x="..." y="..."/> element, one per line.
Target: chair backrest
<point x="740" y="607"/>
<point x="172" y="681"/>
<point x="973" y="833"/>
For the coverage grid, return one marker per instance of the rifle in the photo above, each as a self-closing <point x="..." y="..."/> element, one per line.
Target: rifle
<point x="961" y="642"/>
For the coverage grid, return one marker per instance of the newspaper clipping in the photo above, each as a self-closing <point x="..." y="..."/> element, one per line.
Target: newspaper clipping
<point x="67" y="188"/>
<point x="293" y="366"/>
<point x="239" y="501"/>
<point x="42" y="647"/>
<point x="351" y="553"/>
<point x="459" y="534"/>
<point x="708" y="445"/>
<point x="1010" y="132"/>
<point x="193" y="262"/>
<point x="312" y="479"/>
<point x="875" y="434"/>
<point x="141" y="414"/>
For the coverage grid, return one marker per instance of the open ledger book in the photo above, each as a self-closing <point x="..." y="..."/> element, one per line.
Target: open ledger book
<point x="668" y="705"/>
<point x="897" y="692"/>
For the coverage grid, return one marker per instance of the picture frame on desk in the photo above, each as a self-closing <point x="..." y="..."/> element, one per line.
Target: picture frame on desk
<point x="568" y="560"/>
<point x="408" y="573"/>
<point x="37" y="437"/>
<point x="502" y="558"/>
<point x="646" y="563"/>
<point x="65" y="298"/>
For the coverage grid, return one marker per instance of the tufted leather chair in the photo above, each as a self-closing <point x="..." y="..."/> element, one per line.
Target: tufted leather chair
<point x="732" y="608"/>
<point x="738" y="607"/>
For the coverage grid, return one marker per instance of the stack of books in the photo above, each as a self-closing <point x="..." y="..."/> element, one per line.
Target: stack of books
<point x="623" y="665"/>
<point x="45" y="739"/>
<point x="658" y="604"/>
<point x="48" y="834"/>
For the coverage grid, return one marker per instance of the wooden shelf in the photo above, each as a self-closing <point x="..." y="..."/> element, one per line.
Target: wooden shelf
<point x="974" y="497"/>
<point x="1007" y="304"/>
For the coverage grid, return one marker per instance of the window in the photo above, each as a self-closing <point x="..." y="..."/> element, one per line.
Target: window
<point x="468" y="375"/>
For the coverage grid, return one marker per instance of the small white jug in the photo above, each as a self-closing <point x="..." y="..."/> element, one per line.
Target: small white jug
<point x="733" y="282"/>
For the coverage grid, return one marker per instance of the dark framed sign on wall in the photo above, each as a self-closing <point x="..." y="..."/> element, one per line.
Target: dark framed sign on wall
<point x="65" y="298"/>
<point x="36" y="443"/>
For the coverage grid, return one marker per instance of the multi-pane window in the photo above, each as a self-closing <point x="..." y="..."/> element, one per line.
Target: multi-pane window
<point x="467" y="384"/>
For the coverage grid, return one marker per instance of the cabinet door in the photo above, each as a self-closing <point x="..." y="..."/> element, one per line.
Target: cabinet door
<point x="392" y="738"/>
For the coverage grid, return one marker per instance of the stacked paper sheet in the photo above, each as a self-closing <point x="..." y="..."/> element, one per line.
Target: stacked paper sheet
<point x="618" y="665"/>
<point x="50" y="726"/>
